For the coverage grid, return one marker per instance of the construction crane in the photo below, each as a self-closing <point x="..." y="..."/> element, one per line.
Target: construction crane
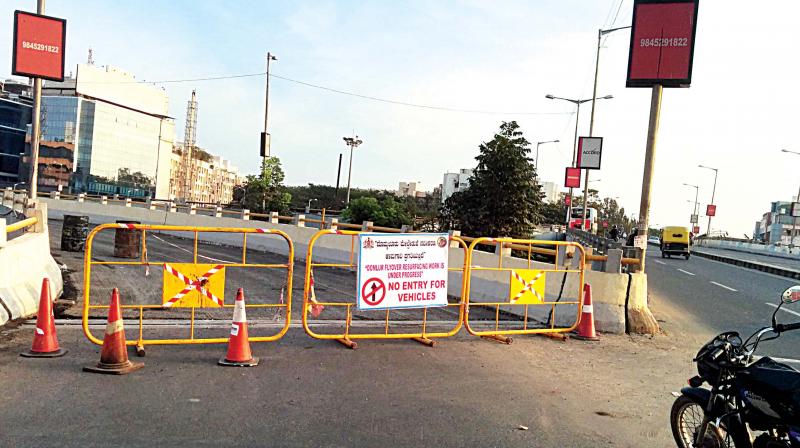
<point x="189" y="142"/>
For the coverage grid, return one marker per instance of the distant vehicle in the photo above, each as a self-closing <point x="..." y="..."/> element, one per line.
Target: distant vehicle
<point x="576" y="218"/>
<point x="654" y="240"/>
<point x="674" y="241"/>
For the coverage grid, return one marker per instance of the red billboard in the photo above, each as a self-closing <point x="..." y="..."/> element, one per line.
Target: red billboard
<point x="696" y="230"/>
<point x="573" y="178"/>
<point x="567" y="200"/>
<point x="711" y="210"/>
<point x="38" y="48"/>
<point x="662" y="43"/>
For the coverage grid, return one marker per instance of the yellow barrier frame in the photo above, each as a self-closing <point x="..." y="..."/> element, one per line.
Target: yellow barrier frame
<point x="140" y="342"/>
<point x="347" y="338"/>
<point x="526" y="245"/>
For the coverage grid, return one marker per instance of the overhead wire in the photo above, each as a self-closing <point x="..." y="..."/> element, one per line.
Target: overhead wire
<point x="341" y="92"/>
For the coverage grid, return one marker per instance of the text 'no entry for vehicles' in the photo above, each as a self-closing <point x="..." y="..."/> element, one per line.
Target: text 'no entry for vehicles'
<point x="406" y="270"/>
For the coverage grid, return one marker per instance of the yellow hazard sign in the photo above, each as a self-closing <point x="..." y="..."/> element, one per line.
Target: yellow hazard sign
<point x="188" y="285"/>
<point x="527" y="286"/>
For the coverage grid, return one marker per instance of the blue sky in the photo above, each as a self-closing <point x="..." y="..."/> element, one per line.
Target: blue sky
<point x="477" y="55"/>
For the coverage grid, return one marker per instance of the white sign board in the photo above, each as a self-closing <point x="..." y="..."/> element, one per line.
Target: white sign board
<point x="589" y="151"/>
<point x="693" y="219"/>
<point x="640" y="241"/>
<point x="402" y="270"/>
<point x="795" y="209"/>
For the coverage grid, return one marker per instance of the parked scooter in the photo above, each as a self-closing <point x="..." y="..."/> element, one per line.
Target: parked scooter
<point x="751" y="402"/>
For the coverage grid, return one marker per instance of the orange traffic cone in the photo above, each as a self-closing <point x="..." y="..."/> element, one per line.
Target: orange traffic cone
<point x="239" y="354"/>
<point x="114" y="353"/>
<point x="45" y="343"/>
<point x="586" y="326"/>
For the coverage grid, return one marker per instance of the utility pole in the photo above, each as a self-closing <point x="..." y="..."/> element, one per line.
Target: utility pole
<point x="649" y="160"/>
<point x="338" y="176"/>
<point x="353" y="143"/>
<point x="265" y="137"/>
<point x="713" y="192"/>
<point x="600" y="34"/>
<point x="36" y="125"/>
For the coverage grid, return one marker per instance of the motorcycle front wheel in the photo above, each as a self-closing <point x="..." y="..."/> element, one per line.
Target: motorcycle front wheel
<point x="686" y="418"/>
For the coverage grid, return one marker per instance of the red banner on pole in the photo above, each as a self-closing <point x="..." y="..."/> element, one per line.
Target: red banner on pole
<point x="711" y="210"/>
<point x="38" y="47"/>
<point x="573" y="178"/>
<point x="567" y="200"/>
<point x="662" y="43"/>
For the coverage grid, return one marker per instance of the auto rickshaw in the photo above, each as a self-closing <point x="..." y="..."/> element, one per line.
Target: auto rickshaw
<point x="674" y="241"/>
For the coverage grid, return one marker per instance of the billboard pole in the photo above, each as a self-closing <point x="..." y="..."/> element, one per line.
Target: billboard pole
<point x="36" y="125"/>
<point x="649" y="160"/>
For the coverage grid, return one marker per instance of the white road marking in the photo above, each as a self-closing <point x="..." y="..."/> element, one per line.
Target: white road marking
<point x="723" y="286"/>
<point x="659" y="261"/>
<point x="784" y="309"/>
<point x="686" y="272"/>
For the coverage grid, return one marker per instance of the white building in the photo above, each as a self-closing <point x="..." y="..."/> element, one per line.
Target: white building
<point x="454" y="182"/>
<point x="551" y="192"/>
<point x="212" y="177"/>
<point x="107" y="132"/>
<point x="412" y="189"/>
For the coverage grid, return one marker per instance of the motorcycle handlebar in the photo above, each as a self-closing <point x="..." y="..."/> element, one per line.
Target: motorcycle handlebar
<point x="787" y="327"/>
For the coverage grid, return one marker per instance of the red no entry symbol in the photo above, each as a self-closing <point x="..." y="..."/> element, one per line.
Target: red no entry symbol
<point x="373" y="291"/>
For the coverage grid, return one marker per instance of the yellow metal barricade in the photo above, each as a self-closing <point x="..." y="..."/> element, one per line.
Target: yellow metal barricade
<point x="195" y="278"/>
<point x="340" y="312"/>
<point x="539" y="293"/>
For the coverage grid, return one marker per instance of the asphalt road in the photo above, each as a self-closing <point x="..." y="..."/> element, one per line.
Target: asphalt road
<point x="705" y="297"/>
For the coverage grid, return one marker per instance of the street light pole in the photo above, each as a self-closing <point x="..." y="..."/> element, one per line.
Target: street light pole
<point x="537" y="153"/>
<point x="713" y="192"/>
<point x="265" y="137"/>
<point x="353" y="143"/>
<point x="577" y="103"/>
<point x="696" y="192"/>
<point x="794" y="220"/>
<point x="600" y="34"/>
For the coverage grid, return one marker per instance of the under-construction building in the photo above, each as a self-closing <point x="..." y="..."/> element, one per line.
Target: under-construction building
<point x="195" y="174"/>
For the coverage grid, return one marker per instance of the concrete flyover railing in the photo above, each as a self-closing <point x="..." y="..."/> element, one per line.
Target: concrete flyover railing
<point x="607" y="255"/>
<point x="25" y="261"/>
<point x="611" y="257"/>
<point x="620" y="298"/>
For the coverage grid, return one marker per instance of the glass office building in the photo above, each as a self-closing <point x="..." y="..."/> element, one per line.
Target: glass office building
<point x="15" y="117"/>
<point x="102" y="144"/>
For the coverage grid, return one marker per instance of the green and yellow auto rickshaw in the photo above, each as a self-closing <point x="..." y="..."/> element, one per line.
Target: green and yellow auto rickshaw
<point x="674" y="241"/>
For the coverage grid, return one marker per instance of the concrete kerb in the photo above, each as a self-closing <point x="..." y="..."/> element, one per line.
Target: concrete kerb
<point x="770" y="269"/>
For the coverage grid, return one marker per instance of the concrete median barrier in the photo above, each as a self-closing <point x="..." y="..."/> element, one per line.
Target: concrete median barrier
<point x="25" y="261"/>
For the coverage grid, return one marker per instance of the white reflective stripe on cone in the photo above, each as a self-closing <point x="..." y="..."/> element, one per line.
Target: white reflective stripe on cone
<point x="239" y="315"/>
<point x="587" y="308"/>
<point x="114" y="327"/>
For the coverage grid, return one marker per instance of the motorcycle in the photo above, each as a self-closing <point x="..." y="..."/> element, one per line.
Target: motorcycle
<point x="747" y="395"/>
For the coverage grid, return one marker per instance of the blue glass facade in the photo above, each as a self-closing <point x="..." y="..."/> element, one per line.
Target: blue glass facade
<point x="15" y="117"/>
<point x="90" y="146"/>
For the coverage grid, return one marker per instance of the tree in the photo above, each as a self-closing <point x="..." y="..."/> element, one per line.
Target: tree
<point x="553" y="213"/>
<point x="264" y="193"/>
<point x="503" y="197"/>
<point x="385" y="213"/>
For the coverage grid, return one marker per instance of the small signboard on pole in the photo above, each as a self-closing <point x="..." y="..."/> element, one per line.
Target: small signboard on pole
<point x="402" y="270"/>
<point x="795" y="209"/>
<point x="590" y="149"/>
<point x="711" y="210"/>
<point x="693" y="219"/>
<point x="567" y="200"/>
<point x="573" y="178"/>
<point x="696" y="230"/>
